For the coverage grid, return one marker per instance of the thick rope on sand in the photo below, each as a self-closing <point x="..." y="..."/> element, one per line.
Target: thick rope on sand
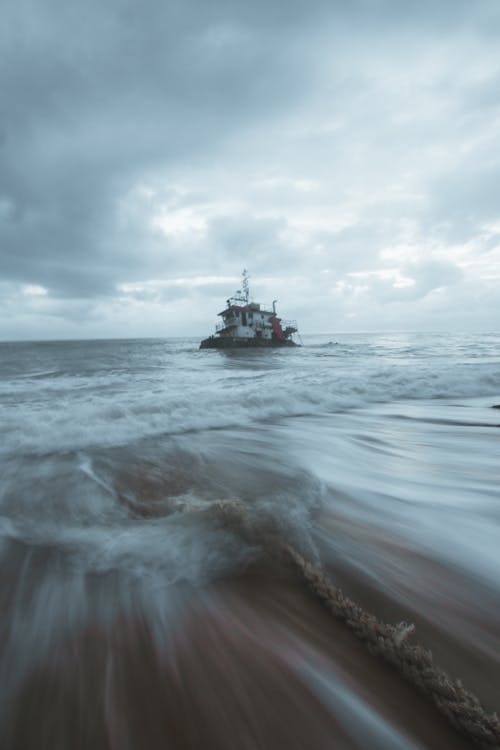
<point x="415" y="663"/>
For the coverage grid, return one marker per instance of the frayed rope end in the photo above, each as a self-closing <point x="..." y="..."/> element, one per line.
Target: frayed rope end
<point x="402" y="631"/>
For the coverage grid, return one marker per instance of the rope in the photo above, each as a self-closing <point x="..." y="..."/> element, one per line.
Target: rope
<point x="415" y="663"/>
<point x="461" y="707"/>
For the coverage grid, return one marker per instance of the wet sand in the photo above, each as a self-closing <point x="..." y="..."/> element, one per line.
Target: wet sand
<point x="251" y="662"/>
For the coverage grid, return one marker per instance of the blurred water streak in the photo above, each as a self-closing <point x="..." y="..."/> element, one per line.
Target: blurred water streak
<point x="131" y="619"/>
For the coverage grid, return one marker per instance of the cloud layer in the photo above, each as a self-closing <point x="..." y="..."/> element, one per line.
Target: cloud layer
<point x="346" y="153"/>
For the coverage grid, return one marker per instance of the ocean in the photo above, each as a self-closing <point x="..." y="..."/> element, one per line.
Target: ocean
<point x="131" y="617"/>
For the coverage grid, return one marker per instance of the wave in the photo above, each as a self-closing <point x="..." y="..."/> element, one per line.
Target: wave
<point x="95" y="394"/>
<point x="114" y="415"/>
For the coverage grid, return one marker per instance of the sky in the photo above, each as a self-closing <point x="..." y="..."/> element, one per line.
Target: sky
<point x="345" y="152"/>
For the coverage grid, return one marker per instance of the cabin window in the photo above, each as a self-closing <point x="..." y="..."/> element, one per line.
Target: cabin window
<point x="244" y="318"/>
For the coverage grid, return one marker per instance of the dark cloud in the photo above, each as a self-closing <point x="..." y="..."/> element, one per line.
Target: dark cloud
<point x="95" y="97"/>
<point x="299" y="138"/>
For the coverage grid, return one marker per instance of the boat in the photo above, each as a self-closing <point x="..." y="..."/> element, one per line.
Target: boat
<point x="249" y="324"/>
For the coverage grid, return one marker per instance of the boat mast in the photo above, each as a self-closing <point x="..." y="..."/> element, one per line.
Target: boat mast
<point x="246" y="290"/>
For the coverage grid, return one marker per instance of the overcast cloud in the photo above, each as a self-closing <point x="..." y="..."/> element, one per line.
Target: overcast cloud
<point x="346" y="153"/>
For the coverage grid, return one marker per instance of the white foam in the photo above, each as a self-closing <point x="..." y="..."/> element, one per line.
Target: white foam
<point x="77" y="420"/>
<point x="178" y="548"/>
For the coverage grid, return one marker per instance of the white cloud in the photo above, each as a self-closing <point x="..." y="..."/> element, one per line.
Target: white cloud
<point x="34" y="290"/>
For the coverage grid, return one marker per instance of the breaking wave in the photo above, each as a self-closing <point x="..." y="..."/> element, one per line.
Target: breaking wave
<point x="185" y="390"/>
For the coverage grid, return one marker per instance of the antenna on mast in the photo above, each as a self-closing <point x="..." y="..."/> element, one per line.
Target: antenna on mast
<point x="246" y="290"/>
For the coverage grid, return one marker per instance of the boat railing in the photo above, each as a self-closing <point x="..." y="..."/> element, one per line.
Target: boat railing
<point x="234" y="322"/>
<point x="269" y="309"/>
<point x="265" y="308"/>
<point x="222" y="326"/>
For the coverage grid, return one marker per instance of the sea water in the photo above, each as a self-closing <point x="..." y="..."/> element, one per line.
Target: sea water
<point x="132" y="618"/>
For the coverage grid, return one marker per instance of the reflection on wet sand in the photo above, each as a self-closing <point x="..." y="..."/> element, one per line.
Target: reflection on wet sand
<point x="252" y="663"/>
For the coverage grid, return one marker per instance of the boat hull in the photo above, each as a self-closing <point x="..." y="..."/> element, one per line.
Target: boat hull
<point x="236" y="342"/>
